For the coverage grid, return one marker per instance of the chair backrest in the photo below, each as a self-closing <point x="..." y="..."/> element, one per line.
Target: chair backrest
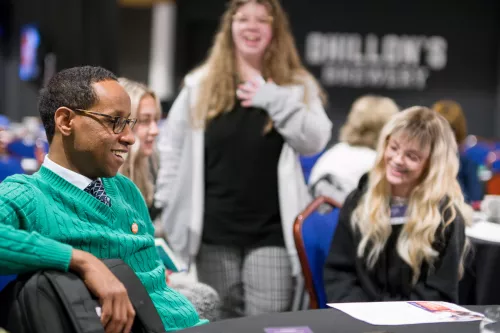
<point x="313" y="232"/>
<point x="307" y="163"/>
<point x="10" y="166"/>
<point x="5" y="280"/>
<point x="477" y="151"/>
<point x="20" y="148"/>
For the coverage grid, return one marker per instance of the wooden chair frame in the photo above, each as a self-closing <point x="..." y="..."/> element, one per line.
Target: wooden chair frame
<point x="301" y="249"/>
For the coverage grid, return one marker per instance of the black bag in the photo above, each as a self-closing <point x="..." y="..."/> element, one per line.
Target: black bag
<point x="59" y="302"/>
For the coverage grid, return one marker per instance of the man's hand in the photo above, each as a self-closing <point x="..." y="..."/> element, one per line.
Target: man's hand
<point x="117" y="311"/>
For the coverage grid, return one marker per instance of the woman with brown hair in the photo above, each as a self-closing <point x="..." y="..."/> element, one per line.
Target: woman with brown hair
<point x="468" y="172"/>
<point x="230" y="180"/>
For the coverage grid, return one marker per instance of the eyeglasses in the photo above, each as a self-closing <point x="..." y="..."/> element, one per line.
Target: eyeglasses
<point x="240" y="18"/>
<point x="147" y="122"/>
<point x="118" y="122"/>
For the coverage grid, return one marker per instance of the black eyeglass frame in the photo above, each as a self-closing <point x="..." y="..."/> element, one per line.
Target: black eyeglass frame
<point x="119" y="123"/>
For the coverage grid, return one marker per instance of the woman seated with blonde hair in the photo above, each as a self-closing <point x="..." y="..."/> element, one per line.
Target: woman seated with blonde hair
<point x="338" y="171"/>
<point x="140" y="166"/>
<point x="401" y="233"/>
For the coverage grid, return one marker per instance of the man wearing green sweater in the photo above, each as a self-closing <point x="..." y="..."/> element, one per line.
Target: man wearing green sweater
<point x="76" y="209"/>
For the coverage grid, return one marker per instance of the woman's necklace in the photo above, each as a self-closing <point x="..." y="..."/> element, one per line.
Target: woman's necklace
<point x="398" y="208"/>
<point x="399" y="201"/>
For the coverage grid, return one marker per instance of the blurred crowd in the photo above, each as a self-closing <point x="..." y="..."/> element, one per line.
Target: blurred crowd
<point x="23" y="146"/>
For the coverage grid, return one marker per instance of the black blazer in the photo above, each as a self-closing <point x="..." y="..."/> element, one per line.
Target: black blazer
<point x="348" y="279"/>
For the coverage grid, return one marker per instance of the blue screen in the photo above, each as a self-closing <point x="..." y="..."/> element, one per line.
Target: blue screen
<point x="30" y="43"/>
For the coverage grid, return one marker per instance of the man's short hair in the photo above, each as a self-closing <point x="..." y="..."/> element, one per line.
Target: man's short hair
<point x="72" y="88"/>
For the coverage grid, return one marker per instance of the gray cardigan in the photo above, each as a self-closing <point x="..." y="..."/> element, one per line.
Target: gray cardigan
<point x="305" y="128"/>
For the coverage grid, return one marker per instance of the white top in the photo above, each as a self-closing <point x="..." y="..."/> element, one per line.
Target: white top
<point x="346" y="163"/>
<point x="71" y="177"/>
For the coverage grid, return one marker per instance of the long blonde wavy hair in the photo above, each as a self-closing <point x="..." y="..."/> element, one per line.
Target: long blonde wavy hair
<point x="137" y="167"/>
<point x="281" y="63"/>
<point x="439" y="181"/>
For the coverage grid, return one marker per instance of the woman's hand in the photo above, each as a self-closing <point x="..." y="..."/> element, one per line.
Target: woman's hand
<point x="247" y="91"/>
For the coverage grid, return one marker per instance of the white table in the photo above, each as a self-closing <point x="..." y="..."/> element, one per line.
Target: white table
<point x="483" y="230"/>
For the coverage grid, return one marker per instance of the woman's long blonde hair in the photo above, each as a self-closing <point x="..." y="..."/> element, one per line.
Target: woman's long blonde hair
<point x="281" y="63"/>
<point x="438" y="183"/>
<point x="137" y="167"/>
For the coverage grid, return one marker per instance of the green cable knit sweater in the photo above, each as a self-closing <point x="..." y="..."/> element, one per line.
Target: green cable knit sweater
<point x="42" y="217"/>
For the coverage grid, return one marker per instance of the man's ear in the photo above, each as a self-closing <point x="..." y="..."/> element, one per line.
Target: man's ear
<point x="64" y="120"/>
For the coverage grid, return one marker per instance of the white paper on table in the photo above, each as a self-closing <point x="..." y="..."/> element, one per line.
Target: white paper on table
<point x="407" y="313"/>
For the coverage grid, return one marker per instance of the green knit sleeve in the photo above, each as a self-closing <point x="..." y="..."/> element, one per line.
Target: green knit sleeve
<point x="22" y="251"/>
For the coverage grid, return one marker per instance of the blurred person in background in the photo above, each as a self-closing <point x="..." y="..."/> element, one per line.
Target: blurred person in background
<point x="401" y="233"/>
<point x="9" y="165"/>
<point x="5" y="136"/>
<point x="230" y="180"/>
<point x="141" y="162"/>
<point x="28" y="143"/>
<point x="468" y="173"/>
<point x="339" y="169"/>
<point x="141" y="167"/>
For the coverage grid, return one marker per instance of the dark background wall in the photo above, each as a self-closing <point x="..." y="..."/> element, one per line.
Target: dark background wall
<point x="134" y="43"/>
<point x="94" y="32"/>
<point x="99" y="32"/>
<point x="456" y="46"/>
<point x="77" y="32"/>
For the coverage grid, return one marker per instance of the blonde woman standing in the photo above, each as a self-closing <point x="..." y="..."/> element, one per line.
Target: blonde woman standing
<point x="230" y="179"/>
<point x="401" y="233"/>
<point x="338" y="171"/>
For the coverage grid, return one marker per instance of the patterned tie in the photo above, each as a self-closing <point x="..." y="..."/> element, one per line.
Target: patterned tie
<point x="96" y="189"/>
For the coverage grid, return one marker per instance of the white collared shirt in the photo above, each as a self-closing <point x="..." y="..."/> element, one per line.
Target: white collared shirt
<point x="71" y="177"/>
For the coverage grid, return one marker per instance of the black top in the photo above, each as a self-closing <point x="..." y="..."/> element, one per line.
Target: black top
<point x="241" y="180"/>
<point x="347" y="278"/>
